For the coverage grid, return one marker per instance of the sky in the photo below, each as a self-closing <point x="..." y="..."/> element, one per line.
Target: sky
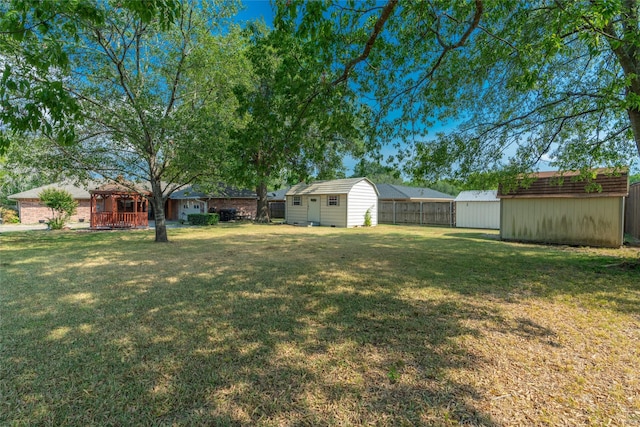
<point x="262" y="9"/>
<point x="256" y="9"/>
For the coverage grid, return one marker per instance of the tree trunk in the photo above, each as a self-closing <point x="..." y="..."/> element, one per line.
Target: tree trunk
<point x="634" y="118"/>
<point x="263" y="203"/>
<point x="157" y="201"/>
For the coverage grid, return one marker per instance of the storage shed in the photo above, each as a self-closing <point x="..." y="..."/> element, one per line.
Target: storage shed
<point x="335" y="203"/>
<point x="478" y="209"/>
<point x="559" y="208"/>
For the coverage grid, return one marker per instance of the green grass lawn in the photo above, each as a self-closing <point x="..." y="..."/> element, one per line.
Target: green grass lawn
<point x="279" y="325"/>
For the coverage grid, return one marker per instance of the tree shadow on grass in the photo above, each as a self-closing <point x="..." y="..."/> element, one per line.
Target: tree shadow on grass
<point x="333" y="329"/>
<point x="223" y="352"/>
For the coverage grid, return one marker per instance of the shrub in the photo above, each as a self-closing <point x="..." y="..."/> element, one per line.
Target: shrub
<point x="62" y="206"/>
<point x="203" y="219"/>
<point x="367" y="218"/>
<point x="9" y="216"/>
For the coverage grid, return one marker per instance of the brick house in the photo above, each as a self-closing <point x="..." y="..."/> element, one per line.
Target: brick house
<point x="194" y="200"/>
<point x="32" y="211"/>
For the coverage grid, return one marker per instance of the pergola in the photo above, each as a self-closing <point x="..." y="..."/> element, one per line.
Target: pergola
<point x="118" y="206"/>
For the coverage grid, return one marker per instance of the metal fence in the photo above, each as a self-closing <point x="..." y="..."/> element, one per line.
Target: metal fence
<point x="423" y="213"/>
<point x="632" y="214"/>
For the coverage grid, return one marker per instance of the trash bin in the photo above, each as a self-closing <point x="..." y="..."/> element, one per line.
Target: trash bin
<point x="227" y="214"/>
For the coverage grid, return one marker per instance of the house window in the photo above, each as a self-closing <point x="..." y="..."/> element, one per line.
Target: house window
<point x="297" y="201"/>
<point x="333" y="201"/>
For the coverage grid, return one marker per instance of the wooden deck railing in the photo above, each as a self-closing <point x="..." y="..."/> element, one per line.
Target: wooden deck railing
<point x="119" y="219"/>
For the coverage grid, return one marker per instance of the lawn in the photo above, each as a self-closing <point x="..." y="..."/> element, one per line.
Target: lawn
<point x="281" y="326"/>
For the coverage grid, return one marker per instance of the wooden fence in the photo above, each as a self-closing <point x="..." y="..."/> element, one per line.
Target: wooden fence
<point x="632" y="211"/>
<point x="119" y="219"/>
<point x="423" y="213"/>
<point x="276" y="209"/>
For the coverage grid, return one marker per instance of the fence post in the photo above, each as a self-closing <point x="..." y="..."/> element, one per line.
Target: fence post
<point x="451" y="214"/>
<point x="394" y="212"/>
<point x="421" y="213"/>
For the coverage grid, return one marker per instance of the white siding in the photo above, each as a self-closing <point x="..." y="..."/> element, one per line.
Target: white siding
<point x="478" y="214"/>
<point x="296" y="214"/>
<point x="362" y="197"/>
<point x="356" y="195"/>
<point x="333" y="215"/>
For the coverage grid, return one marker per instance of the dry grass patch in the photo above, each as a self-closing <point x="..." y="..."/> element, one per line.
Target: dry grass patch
<point x="279" y="325"/>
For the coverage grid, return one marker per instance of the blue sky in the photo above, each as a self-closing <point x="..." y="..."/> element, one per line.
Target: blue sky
<point x="255" y="9"/>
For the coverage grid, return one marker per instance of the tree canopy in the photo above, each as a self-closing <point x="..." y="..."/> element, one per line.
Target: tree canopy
<point x="34" y="59"/>
<point x="517" y="82"/>
<point x="297" y="126"/>
<point x="155" y="103"/>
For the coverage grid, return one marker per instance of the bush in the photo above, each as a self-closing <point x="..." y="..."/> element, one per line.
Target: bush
<point x="367" y="218"/>
<point x="62" y="206"/>
<point x="203" y="219"/>
<point x="9" y="216"/>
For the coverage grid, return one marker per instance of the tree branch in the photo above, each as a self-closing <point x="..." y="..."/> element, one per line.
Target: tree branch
<point x="377" y="29"/>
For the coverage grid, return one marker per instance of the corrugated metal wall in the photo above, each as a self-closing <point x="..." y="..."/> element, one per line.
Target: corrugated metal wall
<point x="593" y="221"/>
<point x="632" y="216"/>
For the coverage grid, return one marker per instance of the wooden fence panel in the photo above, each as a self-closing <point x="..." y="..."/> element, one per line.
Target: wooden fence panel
<point x="632" y="212"/>
<point x="437" y="213"/>
<point x="427" y="213"/>
<point x="276" y="210"/>
<point x="385" y="212"/>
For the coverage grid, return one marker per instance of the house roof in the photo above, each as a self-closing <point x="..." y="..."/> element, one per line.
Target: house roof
<point x="478" y="196"/>
<point x="334" y="186"/>
<point x="222" y="191"/>
<point x="402" y="192"/>
<point x="76" y="191"/>
<point x="278" y="194"/>
<point x="566" y="184"/>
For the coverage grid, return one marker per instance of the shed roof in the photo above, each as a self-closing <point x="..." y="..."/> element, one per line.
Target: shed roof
<point x="567" y="184"/>
<point x="403" y="192"/>
<point x="334" y="186"/>
<point x="478" y="196"/>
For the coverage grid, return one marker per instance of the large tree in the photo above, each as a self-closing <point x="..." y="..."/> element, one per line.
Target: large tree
<point x="34" y="35"/>
<point x="522" y="81"/>
<point x="298" y="126"/>
<point x="155" y="102"/>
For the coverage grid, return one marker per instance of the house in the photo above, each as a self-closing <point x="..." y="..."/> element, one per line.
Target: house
<point x="562" y="209"/>
<point x="335" y="203"/>
<point x="223" y="198"/>
<point x="104" y="205"/>
<point x="478" y="209"/>
<point x="32" y="211"/>
<point x="400" y="204"/>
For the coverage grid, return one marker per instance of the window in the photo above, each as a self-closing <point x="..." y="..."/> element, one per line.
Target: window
<point x="297" y="201"/>
<point x="333" y="201"/>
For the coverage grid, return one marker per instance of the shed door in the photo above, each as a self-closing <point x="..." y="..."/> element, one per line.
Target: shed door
<point x="313" y="214"/>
